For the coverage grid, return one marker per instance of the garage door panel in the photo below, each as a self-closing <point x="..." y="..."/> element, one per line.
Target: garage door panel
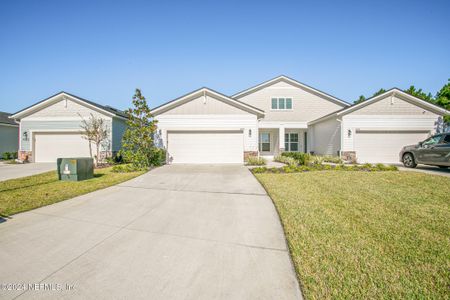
<point x="205" y="147"/>
<point x="50" y="146"/>
<point x="384" y="146"/>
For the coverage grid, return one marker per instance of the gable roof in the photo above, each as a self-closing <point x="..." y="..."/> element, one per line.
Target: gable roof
<point x="108" y="110"/>
<point x="391" y="92"/>
<point x="292" y="82"/>
<point x="206" y="91"/>
<point x="4" y="119"/>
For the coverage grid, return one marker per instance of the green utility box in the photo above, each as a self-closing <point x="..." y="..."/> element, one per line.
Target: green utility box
<point x="75" y="169"/>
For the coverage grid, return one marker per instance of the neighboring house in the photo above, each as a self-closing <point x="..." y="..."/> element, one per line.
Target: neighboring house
<point x="9" y="134"/>
<point x="283" y="114"/>
<point x="377" y="129"/>
<point x="51" y="128"/>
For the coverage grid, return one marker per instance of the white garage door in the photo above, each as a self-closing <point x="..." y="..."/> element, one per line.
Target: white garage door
<point x="384" y="146"/>
<point x="202" y="147"/>
<point x="50" y="146"/>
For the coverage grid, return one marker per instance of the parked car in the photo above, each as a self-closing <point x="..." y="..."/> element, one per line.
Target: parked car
<point x="433" y="151"/>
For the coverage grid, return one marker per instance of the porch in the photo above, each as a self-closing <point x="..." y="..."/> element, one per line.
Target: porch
<point x="277" y="139"/>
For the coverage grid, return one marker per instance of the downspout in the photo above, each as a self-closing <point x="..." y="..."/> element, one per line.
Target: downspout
<point x="342" y="139"/>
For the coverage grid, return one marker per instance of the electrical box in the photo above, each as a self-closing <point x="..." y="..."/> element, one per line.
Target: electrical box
<point x="75" y="169"/>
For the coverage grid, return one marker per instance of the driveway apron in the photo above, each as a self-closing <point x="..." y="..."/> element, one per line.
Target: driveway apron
<point x="177" y="232"/>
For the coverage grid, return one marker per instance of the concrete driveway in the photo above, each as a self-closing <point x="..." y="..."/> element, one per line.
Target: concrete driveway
<point x="10" y="171"/>
<point x="177" y="232"/>
<point x="427" y="170"/>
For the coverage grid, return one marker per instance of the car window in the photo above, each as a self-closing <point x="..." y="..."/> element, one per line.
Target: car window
<point x="432" y="140"/>
<point x="446" y="139"/>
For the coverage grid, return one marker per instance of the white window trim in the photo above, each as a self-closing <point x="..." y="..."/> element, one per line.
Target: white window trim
<point x="260" y="142"/>
<point x="284" y="109"/>
<point x="289" y="142"/>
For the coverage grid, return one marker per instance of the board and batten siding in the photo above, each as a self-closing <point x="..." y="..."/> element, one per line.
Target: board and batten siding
<point x="306" y="106"/>
<point x="54" y="126"/>
<point x="327" y="137"/>
<point x="9" y="138"/>
<point x="247" y="122"/>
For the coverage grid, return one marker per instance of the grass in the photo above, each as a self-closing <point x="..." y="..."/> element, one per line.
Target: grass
<point x="365" y="235"/>
<point x="22" y="194"/>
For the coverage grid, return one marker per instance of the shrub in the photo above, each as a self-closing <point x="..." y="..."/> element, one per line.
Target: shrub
<point x="125" y="168"/>
<point x="301" y="158"/>
<point x="115" y="159"/>
<point x="286" y="160"/>
<point x="6" y="156"/>
<point x="255" y="161"/>
<point x="317" y="160"/>
<point x="259" y="170"/>
<point x="318" y="167"/>
<point x="158" y="157"/>
<point x="332" y="159"/>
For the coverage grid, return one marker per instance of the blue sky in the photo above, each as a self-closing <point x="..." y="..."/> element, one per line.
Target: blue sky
<point x="103" y="50"/>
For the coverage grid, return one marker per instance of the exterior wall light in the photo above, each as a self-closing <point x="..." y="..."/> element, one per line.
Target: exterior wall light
<point x="25" y="136"/>
<point x="249" y="133"/>
<point x="349" y="133"/>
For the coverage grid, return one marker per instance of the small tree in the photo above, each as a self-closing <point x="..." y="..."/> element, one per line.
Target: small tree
<point x="443" y="100"/>
<point x="96" y="132"/>
<point x="137" y="142"/>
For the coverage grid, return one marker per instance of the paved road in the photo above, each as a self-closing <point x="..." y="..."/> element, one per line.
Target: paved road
<point x="177" y="232"/>
<point x="10" y="171"/>
<point x="427" y="169"/>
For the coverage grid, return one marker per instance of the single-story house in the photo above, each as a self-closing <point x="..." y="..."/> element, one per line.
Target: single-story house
<point x="51" y="128"/>
<point x="9" y="134"/>
<point x="377" y="129"/>
<point x="283" y="114"/>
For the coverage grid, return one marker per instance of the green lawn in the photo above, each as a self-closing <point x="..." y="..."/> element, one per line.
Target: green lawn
<point x="22" y="194"/>
<point x="360" y="235"/>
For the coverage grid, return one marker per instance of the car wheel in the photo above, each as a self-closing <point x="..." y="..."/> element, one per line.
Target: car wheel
<point x="408" y="160"/>
<point x="443" y="167"/>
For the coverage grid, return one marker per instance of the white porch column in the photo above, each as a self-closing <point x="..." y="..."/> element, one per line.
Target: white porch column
<point x="281" y="138"/>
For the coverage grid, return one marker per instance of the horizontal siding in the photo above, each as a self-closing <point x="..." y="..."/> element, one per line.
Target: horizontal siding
<point x="65" y="108"/>
<point x="385" y="122"/>
<point x="327" y="137"/>
<point x="211" y="122"/>
<point x="9" y="139"/>
<point x="392" y="105"/>
<point x="48" y="125"/>
<point x="202" y="106"/>
<point x="118" y="129"/>
<point x="306" y="106"/>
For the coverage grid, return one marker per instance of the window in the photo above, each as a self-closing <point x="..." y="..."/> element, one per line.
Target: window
<point x="446" y="139"/>
<point x="281" y="103"/>
<point x="432" y="140"/>
<point x="291" y="142"/>
<point x="274" y="103"/>
<point x="288" y="103"/>
<point x="264" y="142"/>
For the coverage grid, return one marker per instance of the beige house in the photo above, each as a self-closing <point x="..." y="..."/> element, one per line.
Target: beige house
<point x="283" y="114"/>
